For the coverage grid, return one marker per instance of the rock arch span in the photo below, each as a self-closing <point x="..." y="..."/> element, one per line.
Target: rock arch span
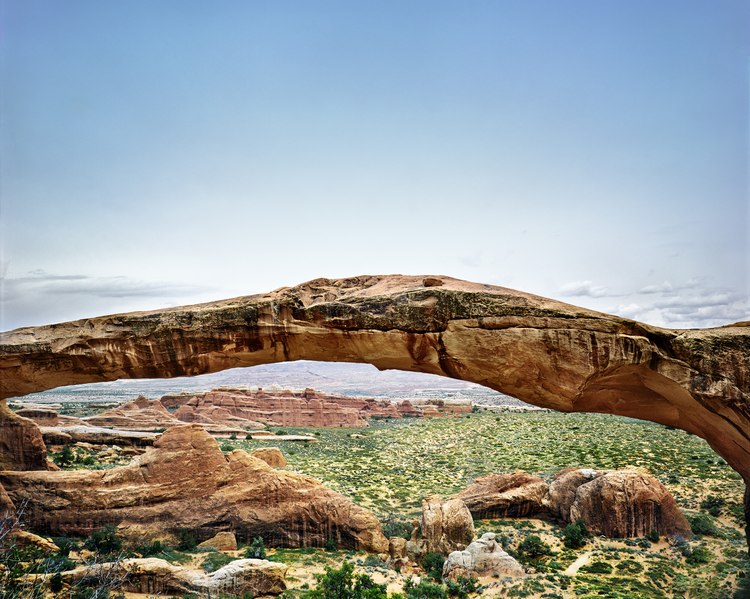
<point x="542" y="351"/>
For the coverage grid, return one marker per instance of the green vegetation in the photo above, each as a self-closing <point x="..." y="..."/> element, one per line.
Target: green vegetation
<point x="256" y="549"/>
<point x="575" y="534"/>
<point x="433" y="565"/>
<point x="215" y="560"/>
<point x="342" y="583"/>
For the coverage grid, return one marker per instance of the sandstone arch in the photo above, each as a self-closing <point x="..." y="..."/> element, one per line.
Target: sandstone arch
<point x="542" y="351"/>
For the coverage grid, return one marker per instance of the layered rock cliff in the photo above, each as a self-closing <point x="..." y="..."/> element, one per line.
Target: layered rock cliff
<point x="542" y="351"/>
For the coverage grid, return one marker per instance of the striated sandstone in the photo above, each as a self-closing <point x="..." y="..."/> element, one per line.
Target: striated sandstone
<point x="544" y="352"/>
<point x="185" y="481"/>
<point x="151" y="576"/>
<point x="483" y="557"/>
<point x="516" y="495"/>
<point x="141" y="414"/>
<point x="21" y="444"/>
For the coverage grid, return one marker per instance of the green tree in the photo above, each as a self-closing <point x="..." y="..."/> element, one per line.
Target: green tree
<point x="342" y="583"/>
<point x="256" y="549"/>
<point x="575" y="534"/>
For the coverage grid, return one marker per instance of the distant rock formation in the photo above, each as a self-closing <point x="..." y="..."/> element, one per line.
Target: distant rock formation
<point x="21" y="444"/>
<point x="617" y="503"/>
<point x="516" y="495"/>
<point x="308" y="408"/>
<point x="151" y="575"/>
<point x="185" y="481"/>
<point x="484" y="557"/>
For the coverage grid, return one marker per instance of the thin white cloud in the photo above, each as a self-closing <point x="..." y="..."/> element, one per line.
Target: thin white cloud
<point x="583" y="289"/>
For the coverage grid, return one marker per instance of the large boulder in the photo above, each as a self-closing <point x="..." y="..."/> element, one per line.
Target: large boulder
<point x="617" y="503"/>
<point x="223" y="541"/>
<point x="446" y="526"/>
<point x="484" y="557"/>
<point x="156" y="576"/>
<point x="270" y="455"/>
<point x="21" y="443"/>
<point x="516" y="495"/>
<point x="185" y="481"/>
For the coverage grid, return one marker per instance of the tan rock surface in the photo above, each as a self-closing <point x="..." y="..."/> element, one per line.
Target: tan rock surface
<point x="270" y="455"/>
<point x="481" y="558"/>
<point x="446" y="526"/>
<point x="224" y="541"/>
<point x="157" y="576"/>
<point x="516" y="495"/>
<point x="185" y="481"/>
<point x="141" y="414"/>
<point x="542" y="351"/>
<point x="21" y="444"/>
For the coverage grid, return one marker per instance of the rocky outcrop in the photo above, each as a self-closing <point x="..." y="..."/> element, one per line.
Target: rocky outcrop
<point x="7" y="509"/>
<point x="185" y="481"/>
<point x="21" y="443"/>
<point x="97" y="435"/>
<point x="224" y="541"/>
<point x="155" y="576"/>
<point x="544" y="352"/>
<point x="484" y="557"/>
<point x="270" y="455"/>
<point x="446" y="526"/>
<point x="516" y="495"/>
<point x="617" y="503"/>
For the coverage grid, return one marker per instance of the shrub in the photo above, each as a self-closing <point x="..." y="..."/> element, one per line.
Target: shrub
<point x="330" y="544"/>
<point x="699" y="555"/>
<point x="187" y="541"/>
<point x="256" y="549"/>
<point x="433" y="565"/>
<point x="393" y="526"/>
<point x="703" y="525"/>
<point x="56" y="583"/>
<point x="597" y="568"/>
<point x="533" y="547"/>
<point x="713" y="505"/>
<point x="653" y="536"/>
<point x="227" y="447"/>
<point x="342" y="583"/>
<point x="462" y="587"/>
<point x="65" y="458"/>
<point x="575" y="534"/>
<point x="424" y="590"/>
<point x="104" y="540"/>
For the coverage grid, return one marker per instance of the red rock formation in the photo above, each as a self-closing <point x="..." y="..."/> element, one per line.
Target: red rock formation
<point x="618" y="503"/>
<point x="21" y="443"/>
<point x="446" y="526"/>
<point x="282" y="408"/>
<point x="141" y="414"/>
<point x="517" y="495"/>
<point x="185" y="481"/>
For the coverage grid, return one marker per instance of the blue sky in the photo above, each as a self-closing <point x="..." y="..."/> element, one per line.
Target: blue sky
<point x="169" y="152"/>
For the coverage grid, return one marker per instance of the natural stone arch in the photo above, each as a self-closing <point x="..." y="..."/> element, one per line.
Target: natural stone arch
<point x="545" y="352"/>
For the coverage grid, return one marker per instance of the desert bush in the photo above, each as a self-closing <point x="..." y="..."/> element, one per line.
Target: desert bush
<point x="575" y="534"/>
<point x="187" y="540"/>
<point x="433" y="565"/>
<point x="533" y="547"/>
<point x="462" y="587"/>
<point x="703" y="525"/>
<point x="104" y="541"/>
<point x="394" y="526"/>
<point x="215" y="560"/>
<point x="256" y="549"/>
<point x="424" y="590"/>
<point x="597" y="568"/>
<point x="342" y="583"/>
<point x="713" y="505"/>
<point x="699" y="555"/>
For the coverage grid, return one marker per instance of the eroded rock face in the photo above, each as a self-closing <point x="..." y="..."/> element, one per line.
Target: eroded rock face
<point x="483" y="557"/>
<point x="618" y="503"/>
<point x="185" y="481"/>
<point x="157" y="576"/>
<point x="141" y="414"/>
<point x="21" y="443"/>
<point x="446" y="526"/>
<point x="516" y="495"/>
